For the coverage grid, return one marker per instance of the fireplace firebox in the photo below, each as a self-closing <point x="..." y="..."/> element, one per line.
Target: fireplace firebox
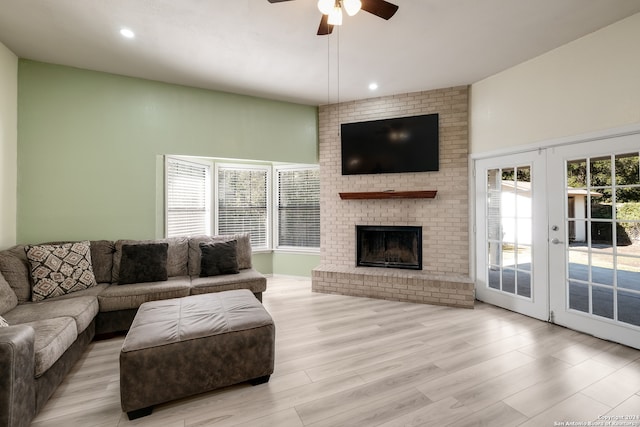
<point x="389" y="246"/>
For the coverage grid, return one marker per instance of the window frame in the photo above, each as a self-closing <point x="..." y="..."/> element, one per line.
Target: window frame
<point x="271" y="169"/>
<point x="208" y="191"/>
<point x="268" y="221"/>
<point x="275" y="207"/>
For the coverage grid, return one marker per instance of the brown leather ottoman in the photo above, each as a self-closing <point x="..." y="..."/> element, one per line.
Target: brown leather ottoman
<point x="184" y="346"/>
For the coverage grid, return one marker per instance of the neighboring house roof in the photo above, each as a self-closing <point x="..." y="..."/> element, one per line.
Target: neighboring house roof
<point x="582" y="192"/>
<point x="525" y="187"/>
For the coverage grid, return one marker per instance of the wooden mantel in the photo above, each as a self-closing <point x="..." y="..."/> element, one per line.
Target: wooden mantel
<point x="391" y="194"/>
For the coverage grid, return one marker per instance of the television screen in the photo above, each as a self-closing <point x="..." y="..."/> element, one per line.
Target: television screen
<point x="404" y="144"/>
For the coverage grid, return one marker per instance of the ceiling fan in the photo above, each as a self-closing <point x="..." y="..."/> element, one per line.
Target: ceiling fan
<point x="332" y="11"/>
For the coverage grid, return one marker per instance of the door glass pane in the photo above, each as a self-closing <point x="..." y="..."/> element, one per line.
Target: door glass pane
<point x="508" y="174"/>
<point x="508" y="255"/>
<point x="601" y="234"/>
<point x="493" y="179"/>
<point x="601" y="203"/>
<point x="627" y="234"/>
<point x="577" y="173"/>
<point x="571" y="202"/>
<point x="524" y="258"/>
<point x="600" y="171"/>
<point x="524" y="175"/>
<point x="524" y="225"/>
<point x="625" y="197"/>
<point x="579" y="296"/>
<point x="509" y="230"/>
<point x="493" y="204"/>
<point x="494" y="254"/>
<point x="628" y="303"/>
<point x="627" y="169"/>
<point x="628" y="272"/>
<point x="578" y="265"/>
<point x="524" y="284"/>
<point x="602" y="269"/>
<point x="493" y="274"/>
<point x="577" y="233"/>
<point x="602" y="300"/>
<point x="509" y="280"/>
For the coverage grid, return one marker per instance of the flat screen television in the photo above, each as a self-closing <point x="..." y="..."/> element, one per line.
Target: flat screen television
<point x="404" y="144"/>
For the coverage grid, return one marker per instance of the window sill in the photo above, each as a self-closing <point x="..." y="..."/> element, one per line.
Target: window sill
<point x="261" y="251"/>
<point x="297" y="251"/>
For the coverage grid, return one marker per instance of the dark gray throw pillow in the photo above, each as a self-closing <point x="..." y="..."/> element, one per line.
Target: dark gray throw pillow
<point x="219" y="258"/>
<point x="143" y="262"/>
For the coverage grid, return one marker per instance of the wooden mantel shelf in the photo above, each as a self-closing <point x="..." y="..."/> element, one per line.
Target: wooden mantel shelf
<point x="427" y="194"/>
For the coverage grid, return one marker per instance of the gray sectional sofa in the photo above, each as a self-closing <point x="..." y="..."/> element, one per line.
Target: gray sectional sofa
<point x="45" y="337"/>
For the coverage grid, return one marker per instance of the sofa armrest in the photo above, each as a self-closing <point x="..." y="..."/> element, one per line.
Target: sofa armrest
<point x="17" y="383"/>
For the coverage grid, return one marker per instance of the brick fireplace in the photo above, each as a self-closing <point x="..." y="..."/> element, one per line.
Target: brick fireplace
<point x="444" y="275"/>
<point x="390" y="246"/>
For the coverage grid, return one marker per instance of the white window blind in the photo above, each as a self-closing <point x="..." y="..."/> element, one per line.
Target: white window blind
<point x="298" y="207"/>
<point x="188" y="198"/>
<point x="242" y="195"/>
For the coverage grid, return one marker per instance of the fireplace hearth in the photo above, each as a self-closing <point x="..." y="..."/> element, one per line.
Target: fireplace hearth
<point x="389" y="246"/>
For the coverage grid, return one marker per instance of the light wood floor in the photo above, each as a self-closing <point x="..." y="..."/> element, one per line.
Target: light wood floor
<point x="345" y="361"/>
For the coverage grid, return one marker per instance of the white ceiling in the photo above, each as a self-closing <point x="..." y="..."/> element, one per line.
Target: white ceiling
<point x="271" y="50"/>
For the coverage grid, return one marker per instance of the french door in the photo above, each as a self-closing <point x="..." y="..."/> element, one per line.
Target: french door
<point x="558" y="235"/>
<point x="511" y="252"/>
<point x="594" y="251"/>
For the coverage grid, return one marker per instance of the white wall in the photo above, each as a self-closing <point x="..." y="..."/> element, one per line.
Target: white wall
<point x="587" y="85"/>
<point x="8" y="145"/>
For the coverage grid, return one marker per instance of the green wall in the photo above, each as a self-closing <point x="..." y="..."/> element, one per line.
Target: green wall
<point x="295" y="264"/>
<point x="263" y="262"/>
<point x="89" y="144"/>
<point x="8" y="146"/>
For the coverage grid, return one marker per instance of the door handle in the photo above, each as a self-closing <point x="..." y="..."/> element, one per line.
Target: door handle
<point x="556" y="241"/>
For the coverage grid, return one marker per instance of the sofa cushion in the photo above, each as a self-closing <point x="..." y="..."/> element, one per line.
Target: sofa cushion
<point x="218" y="258"/>
<point x="102" y="259"/>
<point x="243" y="250"/>
<point x="8" y="298"/>
<point x="93" y="291"/>
<point x="14" y="266"/>
<point x="3" y="322"/>
<point x="245" y="279"/>
<point x="60" y="269"/>
<point x="82" y="309"/>
<point x="143" y="262"/>
<point x="52" y="338"/>
<point x="132" y="296"/>
<point x="177" y="256"/>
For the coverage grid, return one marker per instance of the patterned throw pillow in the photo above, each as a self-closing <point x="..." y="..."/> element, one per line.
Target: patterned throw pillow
<point x="3" y="323"/>
<point x="60" y="269"/>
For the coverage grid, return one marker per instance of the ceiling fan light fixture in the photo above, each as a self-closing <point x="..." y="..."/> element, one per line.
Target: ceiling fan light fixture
<point x="326" y="6"/>
<point x="127" y="33"/>
<point x="335" y="17"/>
<point x="352" y="6"/>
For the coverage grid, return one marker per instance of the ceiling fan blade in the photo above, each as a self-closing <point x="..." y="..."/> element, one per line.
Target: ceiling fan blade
<point x="325" y="28"/>
<point x="277" y="1"/>
<point x="381" y="8"/>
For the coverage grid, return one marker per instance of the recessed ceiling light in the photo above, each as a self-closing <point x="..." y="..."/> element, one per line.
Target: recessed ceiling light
<point x="373" y="86"/>
<point x="125" y="32"/>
